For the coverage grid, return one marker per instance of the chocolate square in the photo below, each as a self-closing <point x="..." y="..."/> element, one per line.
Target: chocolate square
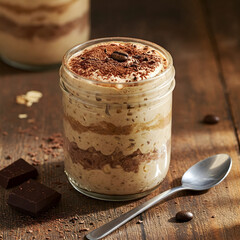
<point x="33" y="197"/>
<point x="16" y="173"/>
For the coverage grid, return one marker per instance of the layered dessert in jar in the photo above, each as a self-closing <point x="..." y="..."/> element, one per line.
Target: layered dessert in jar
<point x="37" y="33"/>
<point x="117" y="103"/>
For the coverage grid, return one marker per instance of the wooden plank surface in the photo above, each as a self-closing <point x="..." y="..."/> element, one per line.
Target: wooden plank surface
<point x="204" y="44"/>
<point x="224" y="31"/>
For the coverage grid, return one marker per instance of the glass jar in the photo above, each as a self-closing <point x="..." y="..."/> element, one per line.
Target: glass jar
<point x="117" y="135"/>
<point x="36" y="34"/>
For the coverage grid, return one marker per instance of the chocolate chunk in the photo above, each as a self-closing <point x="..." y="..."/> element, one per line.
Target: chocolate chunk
<point x="8" y="157"/>
<point x="16" y="173"/>
<point x="184" y="216"/>
<point x="119" y="56"/>
<point x="211" y="119"/>
<point x="33" y="197"/>
<point x="98" y="98"/>
<point x="134" y="65"/>
<point x="137" y="56"/>
<point x="107" y="109"/>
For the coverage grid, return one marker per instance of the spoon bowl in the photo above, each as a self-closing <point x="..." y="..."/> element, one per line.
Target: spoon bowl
<point x="207" y="173"/>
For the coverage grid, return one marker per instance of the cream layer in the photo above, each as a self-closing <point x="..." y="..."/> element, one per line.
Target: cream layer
<point x="116" y="181"/>
<point x="39" y="51"/>
<point x="43" y="12"/>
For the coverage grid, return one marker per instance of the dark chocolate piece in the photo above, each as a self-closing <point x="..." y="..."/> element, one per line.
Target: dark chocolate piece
<point x="17" y="173"/>
<point x="33" y="197"/>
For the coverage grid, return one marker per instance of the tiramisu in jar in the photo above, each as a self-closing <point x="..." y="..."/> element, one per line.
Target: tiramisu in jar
<point x="117" y="101"/>
<point x="35" y="34"/>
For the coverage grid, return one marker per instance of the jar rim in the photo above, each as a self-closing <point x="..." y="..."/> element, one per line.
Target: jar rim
<point x="82" y="46"/>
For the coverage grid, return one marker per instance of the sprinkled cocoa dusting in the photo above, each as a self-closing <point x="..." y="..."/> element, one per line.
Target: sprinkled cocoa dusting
<point x="92" y="159"/>
<point x="118" y="62"/>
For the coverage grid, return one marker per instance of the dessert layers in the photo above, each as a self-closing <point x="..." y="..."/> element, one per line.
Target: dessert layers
<point x="117" y="124"/>
<point x="121" y="156"/>
<point x="125" y="130"/>
<point x="39" y="32"/>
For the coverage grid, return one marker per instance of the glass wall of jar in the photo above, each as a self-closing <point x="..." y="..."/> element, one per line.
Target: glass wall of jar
<point x="117" y="135"/>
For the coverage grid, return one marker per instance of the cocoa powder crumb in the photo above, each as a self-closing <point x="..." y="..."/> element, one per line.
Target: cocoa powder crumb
<point x="84" y="229"/>
<point x="113" y="60"/>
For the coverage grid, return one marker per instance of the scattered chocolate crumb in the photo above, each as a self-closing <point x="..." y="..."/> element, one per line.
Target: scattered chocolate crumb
<point x="98" y="99"/>
<point x="152" y="62"/>
<point x="29" y="131"/>
<point x="4" y="133"/>
<point x="72" y="220"/>
<point x="137" y="56"/>
<point x="8" y="157"/>
<point x="51" y="144"/>
<point x="134" y="66"/>
<point x="84" y="229"/>
<point x="107" y="109"/>
<point x="213" y="216"/>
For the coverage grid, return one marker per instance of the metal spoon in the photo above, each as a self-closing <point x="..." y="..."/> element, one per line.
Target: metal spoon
<point x="201" y="176"/>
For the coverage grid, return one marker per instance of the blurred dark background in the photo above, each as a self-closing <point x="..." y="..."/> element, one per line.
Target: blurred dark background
<point x="173" y="24"/>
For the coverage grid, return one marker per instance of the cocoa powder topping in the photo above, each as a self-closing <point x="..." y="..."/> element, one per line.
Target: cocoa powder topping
<point x="117" y="62"/>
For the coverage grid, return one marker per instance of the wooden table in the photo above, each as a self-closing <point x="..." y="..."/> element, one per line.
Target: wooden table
<point x="204" y="40"/>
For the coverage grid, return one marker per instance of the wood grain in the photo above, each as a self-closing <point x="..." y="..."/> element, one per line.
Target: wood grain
<point x="204" y="43"/>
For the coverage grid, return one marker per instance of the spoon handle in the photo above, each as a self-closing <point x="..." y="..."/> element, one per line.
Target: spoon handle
<point x="118" y="222"/>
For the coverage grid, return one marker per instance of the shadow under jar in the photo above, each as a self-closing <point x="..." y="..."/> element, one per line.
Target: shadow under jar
<point x="36" y="34"/>
<point x="117" y="133"/>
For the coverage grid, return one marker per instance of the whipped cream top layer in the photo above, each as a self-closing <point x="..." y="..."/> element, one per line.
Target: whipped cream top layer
<point x="118" y="62"/>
